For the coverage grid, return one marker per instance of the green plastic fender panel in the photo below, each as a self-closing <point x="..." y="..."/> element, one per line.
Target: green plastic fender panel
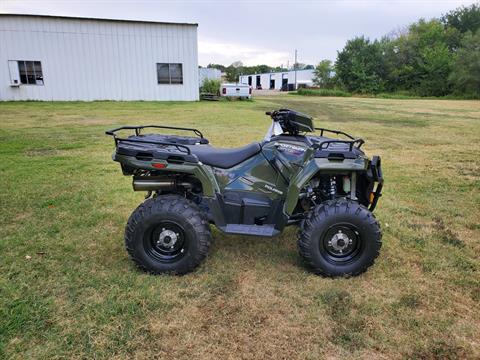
<point x="313" y="166"/>
<point x="202" y="172"/>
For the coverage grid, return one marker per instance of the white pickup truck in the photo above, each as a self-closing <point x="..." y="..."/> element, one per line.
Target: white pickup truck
<point x="236" y="90"/>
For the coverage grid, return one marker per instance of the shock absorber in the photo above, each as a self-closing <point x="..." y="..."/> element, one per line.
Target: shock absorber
<point x="333" y="187"/>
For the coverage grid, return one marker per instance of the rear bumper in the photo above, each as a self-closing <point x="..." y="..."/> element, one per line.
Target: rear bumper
<point x="377" y="177"/>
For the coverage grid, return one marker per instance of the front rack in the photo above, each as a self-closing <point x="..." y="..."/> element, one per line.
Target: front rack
<point x="138" y="129"/>
<point x="353" y="142"/>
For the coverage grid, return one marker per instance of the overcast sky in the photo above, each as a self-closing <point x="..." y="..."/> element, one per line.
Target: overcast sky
<point x="258" y="32"/>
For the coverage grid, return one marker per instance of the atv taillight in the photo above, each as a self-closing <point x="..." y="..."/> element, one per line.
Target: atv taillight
<point x="371" y="197"/>
<point x="159" y="165"/>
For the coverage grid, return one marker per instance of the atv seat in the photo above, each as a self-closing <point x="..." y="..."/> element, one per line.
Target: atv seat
<point x="224" y="158"/>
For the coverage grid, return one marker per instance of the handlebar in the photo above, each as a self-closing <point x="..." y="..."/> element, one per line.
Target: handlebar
<point x="274" y="113"/>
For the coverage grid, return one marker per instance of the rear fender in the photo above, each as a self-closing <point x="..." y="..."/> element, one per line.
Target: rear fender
<point x="202" y="172"/>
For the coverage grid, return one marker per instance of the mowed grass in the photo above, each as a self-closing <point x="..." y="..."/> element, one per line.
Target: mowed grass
<point x="68" y="289"/>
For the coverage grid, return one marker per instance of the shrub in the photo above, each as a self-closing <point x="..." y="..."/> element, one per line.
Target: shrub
<point x="211" y="86"/>
<point x="323" y="92"/>
<point x="397" y="95"/>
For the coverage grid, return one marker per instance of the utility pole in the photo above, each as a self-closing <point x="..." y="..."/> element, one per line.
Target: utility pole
<point x="295" y="68"/>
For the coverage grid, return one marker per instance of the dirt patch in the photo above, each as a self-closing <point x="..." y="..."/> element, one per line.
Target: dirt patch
<point x="445" y="234"/>
<point x="41" y="152"/>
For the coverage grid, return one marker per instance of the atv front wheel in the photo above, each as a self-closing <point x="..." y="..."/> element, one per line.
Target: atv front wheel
<point x="339" y="238"/>
<point x="167" y="234"/>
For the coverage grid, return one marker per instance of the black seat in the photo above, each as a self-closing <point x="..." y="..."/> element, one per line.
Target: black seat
<point x="224" y="158"/>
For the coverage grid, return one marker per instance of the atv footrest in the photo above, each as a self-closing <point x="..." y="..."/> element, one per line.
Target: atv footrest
<point x="257" y="230"/>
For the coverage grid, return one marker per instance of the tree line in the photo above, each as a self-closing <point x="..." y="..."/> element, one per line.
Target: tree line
<point x="437" y="57"/>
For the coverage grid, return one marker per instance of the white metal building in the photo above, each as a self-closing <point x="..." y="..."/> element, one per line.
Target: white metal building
<point x="208" y="74"/>
<point x="66" y="58"/>
<point x="278" y="80"/>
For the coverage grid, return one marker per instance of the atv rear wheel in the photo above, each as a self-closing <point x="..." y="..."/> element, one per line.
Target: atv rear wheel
<point x="167" y="234"/>
<point x="340" y="238"/>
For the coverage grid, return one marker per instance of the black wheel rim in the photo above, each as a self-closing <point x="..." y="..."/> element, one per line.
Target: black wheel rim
<point x="341" y="243"/>
<point x="165" y="242"/>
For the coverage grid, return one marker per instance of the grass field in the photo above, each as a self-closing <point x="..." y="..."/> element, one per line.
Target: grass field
<point x="68" y="289"/>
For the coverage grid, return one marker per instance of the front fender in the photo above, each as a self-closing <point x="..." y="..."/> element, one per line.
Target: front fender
<point x="313" y="166"/>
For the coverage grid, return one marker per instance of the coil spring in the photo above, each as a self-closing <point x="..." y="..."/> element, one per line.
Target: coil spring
<point x="333" y="187"/>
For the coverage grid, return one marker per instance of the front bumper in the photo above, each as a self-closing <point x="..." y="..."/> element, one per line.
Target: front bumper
<point x="377" y="178"/>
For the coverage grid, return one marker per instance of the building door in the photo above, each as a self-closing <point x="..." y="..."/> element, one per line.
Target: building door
<point x="272" y="84"/>
<point x="250" y="80"/>
<point x="284" y="84"/>
<point x="258" y="83"/>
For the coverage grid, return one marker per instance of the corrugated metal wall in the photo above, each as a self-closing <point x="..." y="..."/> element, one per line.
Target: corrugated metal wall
<point x="97" y="59"/>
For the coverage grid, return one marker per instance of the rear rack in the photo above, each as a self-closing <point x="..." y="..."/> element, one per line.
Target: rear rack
<point x="138" y="129"/>
<point x="353" y="142"/>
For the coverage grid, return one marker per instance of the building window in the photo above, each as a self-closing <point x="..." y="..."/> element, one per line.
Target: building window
<point x="169" y="73"/>
<point x="30" y="72"/>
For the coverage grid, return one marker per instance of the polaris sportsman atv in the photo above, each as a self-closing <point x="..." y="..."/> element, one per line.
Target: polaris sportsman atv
<point x="326" y="186"/>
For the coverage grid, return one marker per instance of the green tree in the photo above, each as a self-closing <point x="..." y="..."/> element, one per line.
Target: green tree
<point x="463" y="18"/>
<point x="428" y="58"/>
<point x="360" y="66"/>
<point x="460" y="21"/>
<point x="220" y="67"/>
<point x="323" y="74"/>
<point x="232" y="74"/>
<point x="237" y="64"/>
<point x="259" y="69"/>
<point x="420" y="59"/>
<point x="465" y="75"/>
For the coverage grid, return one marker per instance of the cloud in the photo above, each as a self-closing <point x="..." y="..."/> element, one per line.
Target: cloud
<point x="259" y="31"/>
<point x="227" y="53"/>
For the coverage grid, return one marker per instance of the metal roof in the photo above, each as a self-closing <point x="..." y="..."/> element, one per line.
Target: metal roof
<point x="99" y="19"/>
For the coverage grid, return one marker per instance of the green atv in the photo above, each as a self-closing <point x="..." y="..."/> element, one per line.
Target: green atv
<point x="326" y="186"/>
